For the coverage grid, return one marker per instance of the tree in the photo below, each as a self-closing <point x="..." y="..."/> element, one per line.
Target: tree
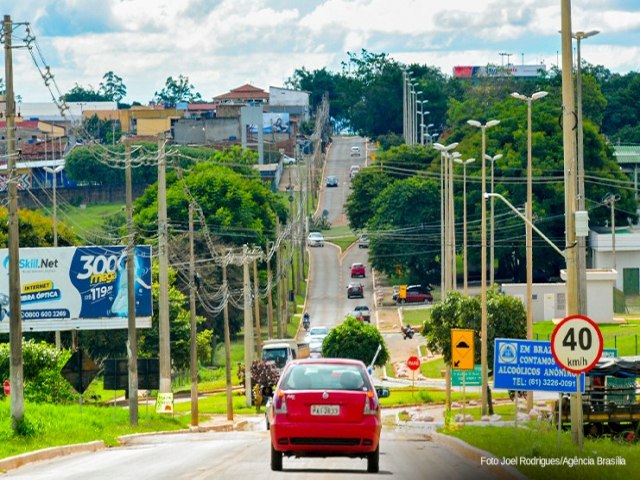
<point x="36" y="230"/>
<point x="81" y="94"/>
<point x="113" y="87"/>
<point x="357" y="340"/>
<point x="367" y="185"/>
<point x="177" y="90"/>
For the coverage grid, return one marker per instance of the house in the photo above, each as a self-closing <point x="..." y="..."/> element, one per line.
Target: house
<point x="618" y="250"/>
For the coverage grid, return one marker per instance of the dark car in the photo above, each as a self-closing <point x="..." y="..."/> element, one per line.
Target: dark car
<point x="332" y="181"/>
<point x="415" y="294"/>
<point x="355" y="290"/>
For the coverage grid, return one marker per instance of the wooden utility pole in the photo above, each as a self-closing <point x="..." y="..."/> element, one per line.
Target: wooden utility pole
<point x="248" y="326"/>
<point x="192" y="310"/>
<point x="269" y="296"/>
<point x="15" y="314"/>
<point x="227" y="342"/>
<point x="132" y="342"/>
<point x="163" y="274"/>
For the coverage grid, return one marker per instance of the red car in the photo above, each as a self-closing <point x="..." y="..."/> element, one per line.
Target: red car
<point x="357" y="270"/>
<point x="326" y="407"/>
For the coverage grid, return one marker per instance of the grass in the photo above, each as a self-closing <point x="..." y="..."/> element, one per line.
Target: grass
<point x="416" y="316"/>
<point x="54" y="425"/>
<point x="540" y="442"/>
<point x="342" y="236"/>
<point x="92" y="218"/>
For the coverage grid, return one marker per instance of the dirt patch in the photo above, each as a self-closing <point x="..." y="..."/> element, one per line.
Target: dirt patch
<point x="388" y="320"/>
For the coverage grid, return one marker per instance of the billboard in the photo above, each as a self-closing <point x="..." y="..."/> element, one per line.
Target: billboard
<point x="77" y="288"/>
<point x="273" y="123"/>
<point x="499" y="71"/>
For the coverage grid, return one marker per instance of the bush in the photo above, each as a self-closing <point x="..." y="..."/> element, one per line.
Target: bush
<point x="41" y="368"/>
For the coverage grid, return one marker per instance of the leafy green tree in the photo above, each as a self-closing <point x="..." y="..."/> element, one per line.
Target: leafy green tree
<point x="357" y="340"/>
<point x="177" y="90"/>
<point x="82" y="94"/>
<point x="367" y="186"/>
<point x="112" y="87"/>
<point x="42" y="363"/>
<point x="36" y="230"/>
<point x="404" y="230"/>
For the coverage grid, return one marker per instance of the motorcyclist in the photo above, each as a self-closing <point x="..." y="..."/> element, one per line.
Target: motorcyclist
<point x="407" y="331"/>
<point x="306" y="321"/>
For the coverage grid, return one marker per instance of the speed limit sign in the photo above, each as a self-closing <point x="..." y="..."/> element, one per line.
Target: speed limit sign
<point x="576" y="344"/>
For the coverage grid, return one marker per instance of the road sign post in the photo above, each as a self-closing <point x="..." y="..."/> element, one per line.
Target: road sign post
<point x="413" y="363"/>
<point x="576" y="344"/>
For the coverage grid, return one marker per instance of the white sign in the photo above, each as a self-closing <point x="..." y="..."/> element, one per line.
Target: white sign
<point x="576" y="344"/>
<point x="164" y="403"/>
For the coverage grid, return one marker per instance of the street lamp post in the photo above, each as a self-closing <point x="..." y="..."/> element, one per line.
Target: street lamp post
<point x="464" y="164"/>
<point x="54" y="172"/>
<point x="529" y="213"/>
<point x="444" y="221"/>
<point x="422" y="112"/>
<point x="483" y="257"/>
<point x="451" y="225"/>
<point x="491" y="237"/>
<point x="580" y="200"/>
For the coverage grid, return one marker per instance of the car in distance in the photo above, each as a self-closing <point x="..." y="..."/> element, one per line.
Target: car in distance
<point x="326" y="407"/>
<point x="287" y="160"/>
<point x="332" y="181"/>
<point x="355" y="290"/>
<point x="353" y="171"/>
<point x="362" y="312"/>
<point x="316" y="331"/>
<point x="357" y="270"/>
<point x="355" y="151"/>
<point x="315" y="239"/>
<point x="363" y="241"/>
<point x="414" y="294"/>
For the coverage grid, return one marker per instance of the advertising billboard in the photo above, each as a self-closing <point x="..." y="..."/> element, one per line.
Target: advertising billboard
<point x="273" y="123"/>
<point x="77" y="288"/>
<point x="498" y="71"/>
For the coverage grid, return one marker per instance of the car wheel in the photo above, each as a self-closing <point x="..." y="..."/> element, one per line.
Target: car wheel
<point x="276" y="460"/>
<point x="373" y="461"/>
<point x="402" y="301"/>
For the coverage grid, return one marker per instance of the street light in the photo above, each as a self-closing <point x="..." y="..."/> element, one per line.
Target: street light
<point x="464" y="164"/>
<point x="580" y="200"/>
<point x="444" y="260"/>
<point x="483" y="256"/>
<point x="491" y="242"/>
<point x="529" y="212"/>
<point x="422" y="112"/>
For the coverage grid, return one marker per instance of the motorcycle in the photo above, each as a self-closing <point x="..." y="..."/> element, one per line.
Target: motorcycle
<point x="306" y="321"/>
<point x="407" y="332"/>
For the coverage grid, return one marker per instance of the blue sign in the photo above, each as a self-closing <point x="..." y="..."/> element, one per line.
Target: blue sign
<point x="609" y="353"/>
<point x="529" y="365"/>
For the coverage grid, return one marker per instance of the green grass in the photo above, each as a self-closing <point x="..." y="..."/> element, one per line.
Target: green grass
<point x="342" y="236"/>
<point x="540" y="441"/>
<point x="416" y="317"/>
<point x="54" y="425"/>
<point x="624" y="337"/>
<point x="91" y="218"/>
<point x="432" y="368"/>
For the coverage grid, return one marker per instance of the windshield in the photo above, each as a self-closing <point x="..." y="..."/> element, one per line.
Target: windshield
<point x="275" y="355"/>
<point x="326" y="377"/>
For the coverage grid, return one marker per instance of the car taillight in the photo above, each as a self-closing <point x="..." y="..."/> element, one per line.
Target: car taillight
<point x="370" y="404"/>
<point x="280" y="404"/>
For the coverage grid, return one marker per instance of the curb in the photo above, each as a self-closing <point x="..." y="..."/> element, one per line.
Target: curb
<point x="474" y="455"/>
<point x="16" y="461"/>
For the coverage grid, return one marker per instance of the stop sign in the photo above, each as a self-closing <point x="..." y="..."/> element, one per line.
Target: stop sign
<point x="7" y="387"/>
<point x="413" y="363"/>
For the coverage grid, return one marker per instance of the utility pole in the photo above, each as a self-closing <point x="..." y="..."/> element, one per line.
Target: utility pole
<point x="163" y="274"/>
<point x="192" y="310"/>
<point x="256" y="305"/>
<point x="279" y="294"/>
<point x="248" y="326"/>
<point x="269" y="296"/>
<point x="15" y="314"/>
<point x="227" y="341"/>
<point x="570" y="163"/>
<point x="132" y="341"/>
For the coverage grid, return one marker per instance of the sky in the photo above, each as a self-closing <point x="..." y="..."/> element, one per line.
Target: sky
<point x="223" y="44"/>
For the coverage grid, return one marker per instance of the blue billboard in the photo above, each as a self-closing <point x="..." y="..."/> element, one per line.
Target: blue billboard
<point x="77" y="288"/>
<point x="529" y="365"/>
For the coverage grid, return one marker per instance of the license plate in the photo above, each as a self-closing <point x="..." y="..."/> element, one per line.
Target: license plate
<point x="325" y="410"/>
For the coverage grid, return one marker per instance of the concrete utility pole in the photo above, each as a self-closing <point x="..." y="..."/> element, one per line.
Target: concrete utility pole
<point x="132" y="341"/>
<point x="192" y="310"/>
<point x="569" y="143"/>
<point x="256" y="305"/>
<point x="269" y="296"/>
<point x="248" y="326"/>
<point x="227" y="341"/>
<point x="163" y="274"/>
<point x="15" y="314"/>
<point x="464" y="164"/>
<point x="279" y="294"/>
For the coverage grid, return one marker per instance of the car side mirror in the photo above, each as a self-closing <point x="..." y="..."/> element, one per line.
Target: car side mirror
<point x="383" y="392"/>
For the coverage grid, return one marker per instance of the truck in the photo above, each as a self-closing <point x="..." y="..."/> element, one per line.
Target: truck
<point x="281" y="350"/>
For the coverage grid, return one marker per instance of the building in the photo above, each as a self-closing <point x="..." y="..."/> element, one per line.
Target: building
<point x="620" y="251"/>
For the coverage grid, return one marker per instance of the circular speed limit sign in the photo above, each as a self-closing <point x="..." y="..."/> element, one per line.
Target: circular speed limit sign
<point x="576" y="344"/>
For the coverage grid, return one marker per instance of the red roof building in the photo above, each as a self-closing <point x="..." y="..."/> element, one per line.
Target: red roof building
<point x="244" y="94"/>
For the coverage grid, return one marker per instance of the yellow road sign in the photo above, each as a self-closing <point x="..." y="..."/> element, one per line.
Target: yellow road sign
<point x="462" y="349"/>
